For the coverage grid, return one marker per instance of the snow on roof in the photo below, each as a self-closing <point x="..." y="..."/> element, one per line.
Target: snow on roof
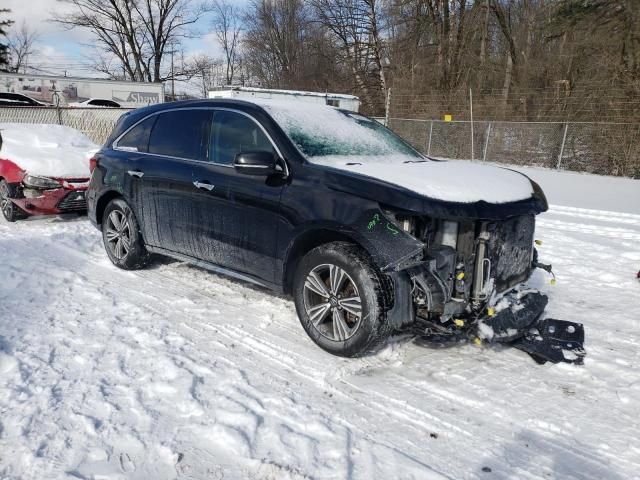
<point x="47" y="150"/>
<point x="300" y="93"/>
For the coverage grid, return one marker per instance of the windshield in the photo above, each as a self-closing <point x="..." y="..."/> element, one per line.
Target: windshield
<point x="322" y="133"/>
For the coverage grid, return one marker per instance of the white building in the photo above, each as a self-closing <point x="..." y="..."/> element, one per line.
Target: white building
<point x="74" y="89"/>
<point x="347" y="102"/>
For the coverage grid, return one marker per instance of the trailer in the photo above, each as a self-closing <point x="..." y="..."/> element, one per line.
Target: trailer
<point x="338" y="100"/>
<point x="65" y="90"/>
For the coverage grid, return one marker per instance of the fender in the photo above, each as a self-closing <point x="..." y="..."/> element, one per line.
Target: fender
<point x="11" y="172"/>
<point x="390" y="248"/>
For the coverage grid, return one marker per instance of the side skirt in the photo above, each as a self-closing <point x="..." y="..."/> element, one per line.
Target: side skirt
<point x="216" y="268"/>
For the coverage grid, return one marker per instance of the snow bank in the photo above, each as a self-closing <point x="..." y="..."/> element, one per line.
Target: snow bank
<point x="47" y="150"/>
<point x="596" y="192"/>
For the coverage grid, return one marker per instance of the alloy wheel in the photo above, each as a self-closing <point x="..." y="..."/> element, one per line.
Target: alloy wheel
<point x="6" y="205"/>
<point x="332" y="302"/>
<point x="118" y="233"/>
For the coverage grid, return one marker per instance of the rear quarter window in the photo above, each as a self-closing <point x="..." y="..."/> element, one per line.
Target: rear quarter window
<point x="138" y="137"/>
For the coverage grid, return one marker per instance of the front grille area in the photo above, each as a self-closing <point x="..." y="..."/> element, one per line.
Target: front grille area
<point x="73" y="202"/>
<point x="510" y="249"/>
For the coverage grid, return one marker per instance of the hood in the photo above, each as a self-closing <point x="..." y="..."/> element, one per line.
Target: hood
<point x="460" y="189"/>
<point x="449" y="181"/>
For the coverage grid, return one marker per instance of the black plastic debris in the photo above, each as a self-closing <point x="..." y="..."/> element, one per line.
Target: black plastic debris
<point x="554" y="341"/>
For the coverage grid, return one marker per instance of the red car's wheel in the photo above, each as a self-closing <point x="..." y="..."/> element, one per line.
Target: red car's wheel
<point x="10" y="211"/>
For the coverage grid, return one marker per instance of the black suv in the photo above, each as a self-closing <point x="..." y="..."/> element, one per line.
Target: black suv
<point x="367" y="235"/>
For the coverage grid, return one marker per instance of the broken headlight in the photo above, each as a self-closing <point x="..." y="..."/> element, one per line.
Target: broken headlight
<point x="42" y="183"/>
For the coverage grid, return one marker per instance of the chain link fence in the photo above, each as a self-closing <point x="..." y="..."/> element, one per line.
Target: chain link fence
<point x="601" y="148"/>
<point x="96" y="123"/>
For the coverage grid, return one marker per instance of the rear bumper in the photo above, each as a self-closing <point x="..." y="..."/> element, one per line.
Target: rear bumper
<point x="91" y="208"/>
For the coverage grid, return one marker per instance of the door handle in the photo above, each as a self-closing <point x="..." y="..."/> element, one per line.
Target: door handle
<point x="205" y="185"/>
<point x="136" y="173"/>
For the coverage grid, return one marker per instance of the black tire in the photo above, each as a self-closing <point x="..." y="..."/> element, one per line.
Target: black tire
<point x="362" y="334"/>
<point x="124" y="245"/>
<point x="10" y="211"/>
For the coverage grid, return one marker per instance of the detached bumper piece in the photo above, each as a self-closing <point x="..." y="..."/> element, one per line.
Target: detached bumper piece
<point x="554" y="341"/>
<point x="510" y="323"/>
<point x="548" y="340"/>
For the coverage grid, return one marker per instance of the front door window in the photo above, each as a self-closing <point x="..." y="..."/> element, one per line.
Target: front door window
<point x="234" y="133"/>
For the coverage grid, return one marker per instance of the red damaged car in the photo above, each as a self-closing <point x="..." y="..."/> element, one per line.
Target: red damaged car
<point x="44" y="169"/>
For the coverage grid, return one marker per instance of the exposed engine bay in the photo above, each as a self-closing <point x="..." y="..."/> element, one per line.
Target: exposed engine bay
<point x="470" y="283"/>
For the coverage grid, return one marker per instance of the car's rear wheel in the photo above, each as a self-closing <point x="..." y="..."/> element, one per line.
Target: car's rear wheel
<point x="122" y="238"/>
<point x="10" y="211"/>
<point x="340" y="300"/>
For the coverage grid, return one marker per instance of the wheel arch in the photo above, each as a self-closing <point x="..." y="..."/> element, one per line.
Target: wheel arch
<point x="306" y="242"/>
<point x="102" y="203"/>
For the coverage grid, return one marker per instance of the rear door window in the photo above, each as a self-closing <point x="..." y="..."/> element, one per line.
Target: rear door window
<point x="234" y="133"/>
<point x="181" y="134"/>
<point x="137" y="139"/>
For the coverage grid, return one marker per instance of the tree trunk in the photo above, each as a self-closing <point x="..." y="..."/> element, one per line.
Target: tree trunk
<point x="508" y="71"/>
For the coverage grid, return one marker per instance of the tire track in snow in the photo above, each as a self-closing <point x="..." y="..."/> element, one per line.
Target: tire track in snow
<point x="302" y="361"/>
<point x="403" y="411"/>
<point x="502" y="377"/>
<point x="590" y="214"/>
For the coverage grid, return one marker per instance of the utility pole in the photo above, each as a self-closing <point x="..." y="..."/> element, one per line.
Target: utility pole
<point x="173" y="82"/>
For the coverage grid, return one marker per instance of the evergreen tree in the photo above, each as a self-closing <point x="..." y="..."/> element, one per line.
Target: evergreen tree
<point x="4" y="49"/>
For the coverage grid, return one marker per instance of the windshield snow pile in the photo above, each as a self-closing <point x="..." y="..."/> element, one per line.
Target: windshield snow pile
<point x="47" y="150"/>
<point x="320" y="131"/>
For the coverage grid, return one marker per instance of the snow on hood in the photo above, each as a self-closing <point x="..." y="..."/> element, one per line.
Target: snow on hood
<point x="452" y="181"/>
<point x="47" y="150"/>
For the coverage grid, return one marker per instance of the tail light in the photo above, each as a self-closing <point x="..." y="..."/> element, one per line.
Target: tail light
<point x="93" y="163"/>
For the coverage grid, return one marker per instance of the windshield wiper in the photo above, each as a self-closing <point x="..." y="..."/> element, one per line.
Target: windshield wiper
<point x="415" y="161"/>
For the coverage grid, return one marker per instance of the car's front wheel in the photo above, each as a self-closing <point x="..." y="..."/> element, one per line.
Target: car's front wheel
<point x="340" y="299"/>
<point x="10" y="211"/>
<point x="121" y="236"/>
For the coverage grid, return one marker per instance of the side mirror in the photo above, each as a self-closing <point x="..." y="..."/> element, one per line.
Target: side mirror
<point x="255" y="163"/>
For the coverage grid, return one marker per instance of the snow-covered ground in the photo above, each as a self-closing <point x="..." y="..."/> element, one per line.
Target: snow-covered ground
<point x="174" y="372"/>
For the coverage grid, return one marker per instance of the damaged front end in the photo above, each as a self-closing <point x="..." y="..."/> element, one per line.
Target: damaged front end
<point x="46" y="195"/>
<point x="469" y="282"/>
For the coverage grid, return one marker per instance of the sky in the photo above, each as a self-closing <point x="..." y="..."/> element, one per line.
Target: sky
<point x="62" y="51"/>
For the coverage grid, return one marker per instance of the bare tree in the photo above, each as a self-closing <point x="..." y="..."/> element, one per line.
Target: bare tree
<point x="22" y="46"/>
<point x="138" y="34"/>
<point x="228" y="26"/>
<point x="356" y="27"/>
<point x="204" y="69"/>
<point x="274" y="40"/>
